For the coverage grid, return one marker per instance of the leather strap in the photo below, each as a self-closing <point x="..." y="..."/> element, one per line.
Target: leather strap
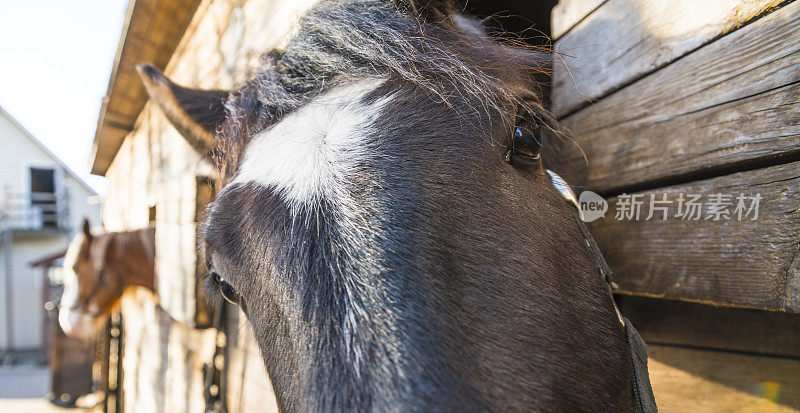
<point x="640" y="381"/>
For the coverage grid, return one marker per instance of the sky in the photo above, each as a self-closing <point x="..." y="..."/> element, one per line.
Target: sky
<point x="55" y="61"/>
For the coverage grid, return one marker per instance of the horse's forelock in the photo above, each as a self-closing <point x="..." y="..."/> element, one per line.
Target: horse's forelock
<point x="346" y="41"/>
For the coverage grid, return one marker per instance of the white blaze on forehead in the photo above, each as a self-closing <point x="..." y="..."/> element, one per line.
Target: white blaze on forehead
<point x="74" y="322"/>
<point x="311" y="150"/>
<point x="70" y="295"/>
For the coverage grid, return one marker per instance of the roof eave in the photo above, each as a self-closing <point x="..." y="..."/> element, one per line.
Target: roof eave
<point x="151" y="33"/>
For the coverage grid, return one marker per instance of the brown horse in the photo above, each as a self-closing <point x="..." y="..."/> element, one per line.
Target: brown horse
<point x="98" y="269"/>
<point x="388" y="228"/>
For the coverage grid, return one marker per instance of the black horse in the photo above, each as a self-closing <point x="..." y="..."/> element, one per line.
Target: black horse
<point x="387" y="227"/>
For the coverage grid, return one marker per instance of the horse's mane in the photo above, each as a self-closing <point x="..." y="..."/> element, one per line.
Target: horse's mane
<point x="450" y="58"/>
<point x="123" y="240"/>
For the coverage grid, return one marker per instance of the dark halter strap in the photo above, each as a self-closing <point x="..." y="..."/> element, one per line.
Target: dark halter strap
<point x="98" y="262"/>
<point x="101" y="282"/>
<point x="640" y="380"/>
<point x="523" y="151"/>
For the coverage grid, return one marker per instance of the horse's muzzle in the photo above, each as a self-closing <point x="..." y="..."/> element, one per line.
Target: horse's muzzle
<point x="76" y="323"/>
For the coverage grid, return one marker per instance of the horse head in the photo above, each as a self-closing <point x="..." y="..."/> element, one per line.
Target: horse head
<point x="98" y="269"/>
<point x="387" y="226"/>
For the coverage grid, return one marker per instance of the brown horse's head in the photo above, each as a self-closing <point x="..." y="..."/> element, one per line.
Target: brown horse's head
<point x="98" y="268"/>
<point x="386" y="254"/>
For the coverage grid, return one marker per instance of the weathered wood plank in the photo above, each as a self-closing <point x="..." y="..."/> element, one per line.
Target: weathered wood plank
<point x="249" y="388"/>
<point x="163" y="352"/>
<point x="204" y="311"/>
<point x="735" y="100"/>
<point x="625" y="39"/>
<point x="700" y="325"/>
<point x="744" y="263"/>
<point x="567" y="13"/>
<point x="688" y="380"/>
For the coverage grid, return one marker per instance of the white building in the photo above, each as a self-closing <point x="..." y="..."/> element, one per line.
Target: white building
<point x="42" y="204"/>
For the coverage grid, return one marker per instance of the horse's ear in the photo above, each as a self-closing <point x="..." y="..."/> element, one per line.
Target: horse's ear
<point x="195" y="113"/>
<point x="87" y="229"/>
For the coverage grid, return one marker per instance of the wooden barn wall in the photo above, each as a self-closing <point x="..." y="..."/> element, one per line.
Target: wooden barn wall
<point x="163" y="351"/>
<point x="693" y="97"/>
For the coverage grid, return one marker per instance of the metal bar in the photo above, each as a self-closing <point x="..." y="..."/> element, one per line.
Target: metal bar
<point x="43" y="196"/>
<point x="9" y="284"/>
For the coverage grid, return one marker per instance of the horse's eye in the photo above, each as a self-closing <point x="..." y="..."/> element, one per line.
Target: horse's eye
<point x="227" y="290"/>
<point x="525" y="146"/>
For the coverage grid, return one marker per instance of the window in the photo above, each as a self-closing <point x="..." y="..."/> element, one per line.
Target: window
<point x="43" y="195"/>
<point x="43" y="180"/>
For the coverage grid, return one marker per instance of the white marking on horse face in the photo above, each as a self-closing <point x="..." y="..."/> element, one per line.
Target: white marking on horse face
<point x="73" y="321"/>
<point x="76" y="323"/>
<point x="310" y="151"/>
<point x="70" y="295"/>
